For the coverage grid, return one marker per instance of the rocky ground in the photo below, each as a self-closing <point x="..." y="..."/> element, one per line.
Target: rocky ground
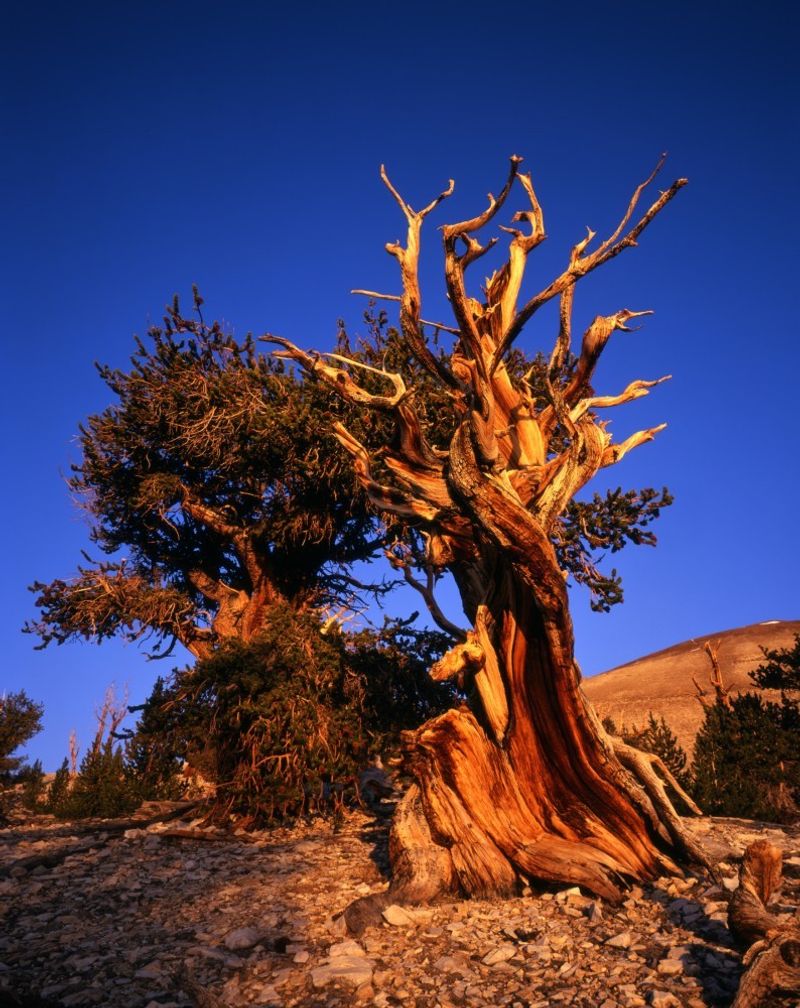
<point x="170" y="917"/>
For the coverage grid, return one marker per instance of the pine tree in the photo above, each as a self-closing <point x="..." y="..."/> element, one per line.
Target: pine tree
<point x="658" y="738"/>
<point x="20" y="720"/>
<point x="746" y="759"/>
<point x="101" y="789"/>
<point x="58" y="795"/>
<point x="781" y="670"/>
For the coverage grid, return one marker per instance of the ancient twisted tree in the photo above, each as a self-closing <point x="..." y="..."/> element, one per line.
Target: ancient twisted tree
<point x="521" y="781"/>
<point x="215" y="497"/>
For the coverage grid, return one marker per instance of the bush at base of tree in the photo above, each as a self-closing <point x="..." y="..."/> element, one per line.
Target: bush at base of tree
<point x="152" y="758"/>
<point x="285" y="723"/>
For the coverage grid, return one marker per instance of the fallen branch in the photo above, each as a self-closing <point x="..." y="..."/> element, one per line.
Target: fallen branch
<point x="105" y="828"/>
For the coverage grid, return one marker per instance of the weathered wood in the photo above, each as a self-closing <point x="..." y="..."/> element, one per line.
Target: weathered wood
<point x="772" y="956"/>
<point x="521" y="782"/>
<point x="171" y="810"/>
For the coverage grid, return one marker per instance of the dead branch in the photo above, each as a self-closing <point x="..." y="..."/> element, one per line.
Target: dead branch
<point x="581" y="264"/>
<point x="109" y="717"/>
<point x="721" y="691"/>
<point x="106" y="829"/>
<point x="411" y="300"/>
<point x="400" y="558"/>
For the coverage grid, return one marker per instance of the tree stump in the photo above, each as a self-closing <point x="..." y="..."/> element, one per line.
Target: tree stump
<point x="772" y="956"/>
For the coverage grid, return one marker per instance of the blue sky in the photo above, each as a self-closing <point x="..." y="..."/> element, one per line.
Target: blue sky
<point x="152" y="147"/>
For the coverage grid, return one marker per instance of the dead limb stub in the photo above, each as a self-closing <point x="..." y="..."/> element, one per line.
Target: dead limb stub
<point x="772" y="956"/>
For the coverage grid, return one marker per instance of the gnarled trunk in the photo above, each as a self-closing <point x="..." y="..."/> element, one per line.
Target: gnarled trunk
<point x="522" y="782"/>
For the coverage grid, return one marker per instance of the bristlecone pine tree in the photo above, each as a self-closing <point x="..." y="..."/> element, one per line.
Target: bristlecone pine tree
<point x="211" y="474"/>
<point x="523" y="781"/>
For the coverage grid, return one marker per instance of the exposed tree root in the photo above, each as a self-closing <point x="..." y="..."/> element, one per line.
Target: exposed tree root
<point x="643" y="766"/>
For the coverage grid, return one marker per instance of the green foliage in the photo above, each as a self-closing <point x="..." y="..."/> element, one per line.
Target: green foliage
<point x="658" y="738"/>
<point x="216" y="471"/>
<point x="781" y="669"/>
<point x="102" y="789"/>
<point x="152" y="756"/>
<point x="32" y="780"/>
<point x="747" y="759"/>
<point x="20" y="720"/>
<point x="285" y="723"/>
<point x="58" y="795"/>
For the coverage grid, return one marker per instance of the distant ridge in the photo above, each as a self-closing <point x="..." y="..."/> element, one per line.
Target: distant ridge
<point x="662" y="682"/>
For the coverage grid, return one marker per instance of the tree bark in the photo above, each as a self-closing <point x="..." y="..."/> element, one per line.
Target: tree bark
<point x="523" y="786"/>
<point x="522" y="782"/>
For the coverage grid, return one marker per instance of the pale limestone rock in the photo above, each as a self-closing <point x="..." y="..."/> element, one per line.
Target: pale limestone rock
<point x="351" y="969"/>
<point x="500" y="954"/>
<point x="242" y="938"/>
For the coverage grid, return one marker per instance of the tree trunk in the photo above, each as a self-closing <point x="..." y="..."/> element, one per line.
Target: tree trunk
<point x="523" y="784"/>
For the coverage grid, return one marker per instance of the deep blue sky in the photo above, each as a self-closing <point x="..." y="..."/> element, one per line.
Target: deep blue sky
<point x="155" y="145"/>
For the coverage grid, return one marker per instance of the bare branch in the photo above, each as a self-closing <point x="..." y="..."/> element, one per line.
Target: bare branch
<point x="339" y="379"/>
<point x="401" y="559"/>
<point x="397" y="297"/>
<point x="406" y="208"/>
<point x="635" y="390"/>
<point x="476" y="223"/>
<point x="615" y="452"/>
<point x="383" y="497"/>
<point x="411" y="301"/>
<point x="581" y="263"/>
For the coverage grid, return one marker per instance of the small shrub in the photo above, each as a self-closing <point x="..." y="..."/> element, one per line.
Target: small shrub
<point x="32" y="780"/>
<point x="100" y="790"/>
<point x="658" y="738"/>
<point x="20" y="720"/>
<point x="153" y="753"/>
<point x="56" y="799"/>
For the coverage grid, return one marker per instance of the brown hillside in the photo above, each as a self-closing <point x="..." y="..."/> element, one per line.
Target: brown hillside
<point x="662" y="682"/>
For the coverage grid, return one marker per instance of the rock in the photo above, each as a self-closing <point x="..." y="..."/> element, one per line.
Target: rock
<point x="242" y="938"/>
<point x="152" y="971"/>
<point x="662" y="999"/>
<point x="670" y="967"/>
<point x="348" y="947"/>
<point x="399" y="916"/>
<point x="267" y="995"/>
<point x="109" y="918"/>
<point x="500" y="954"/>
<point x="351" y="969"/>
